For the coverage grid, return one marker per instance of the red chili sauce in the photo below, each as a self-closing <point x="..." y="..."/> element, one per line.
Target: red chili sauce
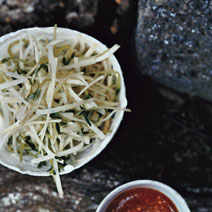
<point x="142" y="200"/>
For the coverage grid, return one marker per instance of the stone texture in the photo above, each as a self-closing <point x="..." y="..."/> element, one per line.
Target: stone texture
<point x="99" y="17"/>
<point x="167" y="140"/>
<point x="174" y="41"/>
<point x="166" y="137"/>
<point x="27" y="13"/>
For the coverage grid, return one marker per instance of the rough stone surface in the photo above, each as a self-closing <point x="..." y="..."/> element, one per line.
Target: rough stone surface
<point x="105" y="18"/>
<point x="15" y="14"/>
<point x="174" y="41"/>
<point x="168" y="140"/>
<point x="166" y="137"/>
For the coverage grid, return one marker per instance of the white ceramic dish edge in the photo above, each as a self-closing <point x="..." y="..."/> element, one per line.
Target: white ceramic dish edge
<point x="13" y="162"/>
<point x="165" y="189"/>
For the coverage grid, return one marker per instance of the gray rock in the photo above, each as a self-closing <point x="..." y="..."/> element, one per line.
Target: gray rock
<point x="174" y="42"/>
<point x="15" y="14"/>
<point x="166" y="139"/>
<point x="81" y="13"/>
<point x="108" y="20"/>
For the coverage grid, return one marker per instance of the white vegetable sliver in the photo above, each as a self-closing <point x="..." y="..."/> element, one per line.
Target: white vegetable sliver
<point x="30" y="46"/>
<point x="39" y="141"/>
<point x="5" y="115"/>
<point x="109" y="116"/>
<point x="57" y="179"/>
<point x="53" y="67"/>
<point x="91" y="50"/>
<point x="43" y="131"/>
<point x="17" y="76"/>
<point x="11" y="128"/>
<point x="15" y="93"/>
<point x="43" y="158"/>
<point x="71" y="150"/>
<point x="14" y="144"/>
<point x="56" y="104"/>
<point x="63" y="108"/>
<point x="86" y="139"/>
<point x="92" y="60"/>
<point x="9" y="100"/>
<point x="92" y="83"/>
<point x="64" y="98"/>
<point x="10" y="84"/>
<point x="99" y="133"/>
<point x="42" y="122"/>
<point x="21" y="52"/>
<point x="21" y="113"/>
<point x="75" y="82"/>
<point x="74" y="95"/>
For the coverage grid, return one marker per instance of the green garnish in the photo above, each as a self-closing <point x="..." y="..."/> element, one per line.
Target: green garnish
<point x="41" y="164"/>
<point x="33" y="96"/>
<point x="28" y="141"/>
<point x="42" y="66"/>
<point x="117" y="91"/>
<point x="58" y="128"/>
<point x="85" y="114"/>
<point x="66" y="61"/>
<point x="84" y="132"/>
<point x="55" y="116"/>
<point x="10" y="141"/>
<point x="5" y="60"/>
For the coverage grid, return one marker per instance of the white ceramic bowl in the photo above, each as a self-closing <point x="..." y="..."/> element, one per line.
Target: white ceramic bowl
<point x="175" y="197"/>
<point x="11" y="160"/>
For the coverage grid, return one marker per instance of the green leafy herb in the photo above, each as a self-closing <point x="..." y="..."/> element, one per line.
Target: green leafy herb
<point x="84" y="132"/>
<point x="41" y="164"/>
<point x="61" y="166"/>
<point x="66" y="61"/>
<point x="29" y="142"/>
<point x="117" y="91"/>
<point x="55" y="115"/>
<point x="63" y="123"/>
<point x="19" y="71"/>
<point x="33" y="96"/>
<point x="52" y="171"/>
<point x="26" y="152"/>
<point x="58" y="128"/>
<point x="9" y="141"/>
<point x="88" y="96"/>
<point x="85" y="114"/>
<point x="30" y="81"/>
<point x="23" y="72"/>
<point x="114" y="80"/>
<point x="5" y="60"/>
<point x="57" y="157"/>
<point x="42" y="66"/>
<point x="69" y="111"/>
<point x="100" y="115"/>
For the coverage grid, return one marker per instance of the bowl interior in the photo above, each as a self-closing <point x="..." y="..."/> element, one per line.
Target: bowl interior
<point x="11" y="160"/>
<point x="175" y="197"/>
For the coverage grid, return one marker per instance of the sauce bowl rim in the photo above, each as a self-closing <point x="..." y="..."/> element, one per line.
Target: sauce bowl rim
<point x="173" y="195"/>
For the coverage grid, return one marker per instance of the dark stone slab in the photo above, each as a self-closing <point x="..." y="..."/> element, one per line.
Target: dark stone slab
<point x="15" y="14"/>
<point x="102" y="18"/>
<point x="166" y="137"/>
<point x="174" y="41"/>
<point x="168" y="140"/>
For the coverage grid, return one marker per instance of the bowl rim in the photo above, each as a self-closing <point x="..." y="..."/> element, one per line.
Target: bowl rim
<point x="122" y="97"/>
<point x="172" y="194"/>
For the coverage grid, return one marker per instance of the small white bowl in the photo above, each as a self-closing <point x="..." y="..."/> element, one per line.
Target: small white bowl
<point x="175" y="197"/>
<point x="11" y="160"/>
